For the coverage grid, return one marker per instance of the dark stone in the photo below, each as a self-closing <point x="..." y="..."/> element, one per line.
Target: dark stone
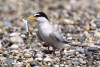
<point x="33" y="63"/>
<point x="6" y="43"/>
<point x="93" y="49"/>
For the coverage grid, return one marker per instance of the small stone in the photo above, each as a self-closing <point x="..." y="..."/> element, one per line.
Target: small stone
<point x="15" y="65"/>
<point x="23" y="36"/>
<point x="27" y="55"/>
<point x="93" y="49"/>
<point x="18" y="64"/>
<point x="38" y="59"/>
<point x="70" y="53"/>
<point x="1" y="33"/>
<point x="15" y="52"/>
<point x="79" y="49"/>
<point x="82" y="61"/>
<point x="14" y="34"/>
<point x="47" y="59"/>
<point x="97" y="34"/>
<point x="93" y="25"/>
<point x="6" y="43"/>
<point x="88" y="53"/>
<point x="37" y="66"/>
<point x="8" y="23"/>
<point x="9" y="61"/>
<point x="90" y="62"/>
<point x="75" y="60"/>
<point x="97" y="22"/>
<point x="69" y="29"/>
<point x="14" y="47"/>
<point x="3" y="59"/>
<point x="56" y="66"/>
<point x="87" y="26"/>
<point x="0" y="45"/>
<point x="62" y="65"/>
<point x="28" y="65"/>
<point x="16" y="39"/>
<point x="92" y="45"/>
<point x="39" y="54"/>
<point x="33" y="64"/>
<point x="67" y="21"/>
<point x="56" y="60"/>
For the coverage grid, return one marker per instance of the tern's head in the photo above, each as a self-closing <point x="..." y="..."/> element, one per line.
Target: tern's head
<point x="40" y="17"/>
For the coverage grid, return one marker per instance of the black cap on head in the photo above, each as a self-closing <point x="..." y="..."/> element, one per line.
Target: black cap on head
<point x="41" y="14"/>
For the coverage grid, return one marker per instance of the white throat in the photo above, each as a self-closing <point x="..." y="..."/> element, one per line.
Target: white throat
<point x="42" y="20"/>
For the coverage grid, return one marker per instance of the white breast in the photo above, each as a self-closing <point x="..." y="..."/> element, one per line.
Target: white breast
<point x="45" y="28"/>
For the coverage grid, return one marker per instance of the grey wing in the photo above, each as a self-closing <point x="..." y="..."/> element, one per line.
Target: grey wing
<point x="38" y="34"/>
<point x="57" y="36"/>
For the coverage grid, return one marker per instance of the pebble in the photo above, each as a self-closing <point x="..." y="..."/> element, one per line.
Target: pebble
<point x="39" y="54"/>
<point x="47" y="59"/>
<point x="93" y="25"/>
<point x="16" y="39"/>
<point x="80" y="50"/>
<point x="14" y="34"/>
<point x="69" y="29"/>
<point x="23" y="35"/>
<point x="70" y="53"/>
<point x="93" y="49"/>
<point x="16" y="52"/>
<point x="30" y="59"/>
<point x="89" y="53"/>
<point x="97" y="22"/>
<point x="62" y="65"/>
<point x="6" y="43"/>
<point x="38" y="59"/>
<point x="9" y="61"/>
<point x="82" y="61"/>
<point x="3" y="59"/>
<point x="27" y="55"/>
<point x="56" y="66"/>
<point x="1" y="33"/>
<point x="0" y="45"/>
<point x="67" y="21"/>
<point x="14" y="47"/>
<point x="97" y="34"/>
<point x="33" y="63"/>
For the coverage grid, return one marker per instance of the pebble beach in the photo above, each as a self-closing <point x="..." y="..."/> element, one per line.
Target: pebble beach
<point x="77" y="20"/>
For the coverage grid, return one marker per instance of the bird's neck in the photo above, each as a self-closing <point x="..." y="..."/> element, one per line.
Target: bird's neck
<point x="45" y="25"/>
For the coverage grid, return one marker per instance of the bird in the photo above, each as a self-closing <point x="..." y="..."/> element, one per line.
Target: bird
<point x="47" y="33"/>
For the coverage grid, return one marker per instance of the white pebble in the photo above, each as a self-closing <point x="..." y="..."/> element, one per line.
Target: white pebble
<point x="14" y="47"/>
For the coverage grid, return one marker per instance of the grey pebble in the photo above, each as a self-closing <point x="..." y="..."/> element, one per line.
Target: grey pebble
<point x="70" y="54"/>
<point x="97" y="22"/>
<point x="47" y="59"/>
<point x="80" y="49"/>
<point x="93" y="49"/>
<point x="33" y="63"/>
<point x="16" y="52"/>
<point x="88" y="53"/>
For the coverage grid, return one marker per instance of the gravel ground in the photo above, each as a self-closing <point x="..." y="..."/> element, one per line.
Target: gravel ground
<point x="78" y="20"/>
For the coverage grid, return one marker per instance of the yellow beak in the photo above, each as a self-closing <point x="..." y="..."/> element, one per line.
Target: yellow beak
<point x="30" y="18"/>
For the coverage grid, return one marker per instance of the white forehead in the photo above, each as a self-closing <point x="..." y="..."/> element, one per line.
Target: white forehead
<point x="36" y="14"/>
